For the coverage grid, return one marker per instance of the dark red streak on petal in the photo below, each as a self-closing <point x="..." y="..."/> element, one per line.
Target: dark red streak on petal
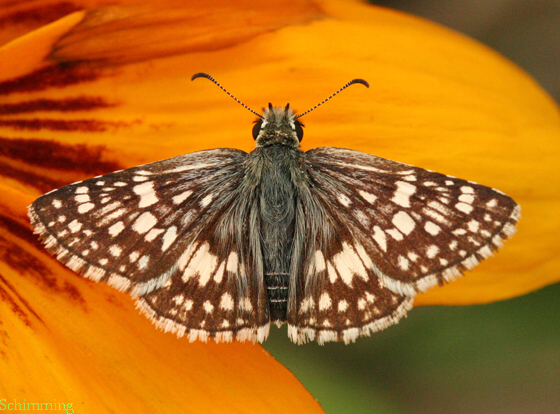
<point x="82" y="158"/>
<point x="19" y="157"/>
<point x="7" y="294"/>
<point x="40" y="182"/>
<point x="56" y="76"/>
<point x="22" y="262"/>
<point x="83" y="125"/>
<point x="27" y="264"/>
<point x="19" y="259"/>
<point x="83" y="103"/>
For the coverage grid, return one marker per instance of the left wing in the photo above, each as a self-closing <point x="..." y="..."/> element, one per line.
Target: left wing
<point x="160" y="232"/>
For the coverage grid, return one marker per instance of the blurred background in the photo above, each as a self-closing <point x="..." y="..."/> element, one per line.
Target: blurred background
<point x="526" y="32"/>
<point x="498" y="358"/>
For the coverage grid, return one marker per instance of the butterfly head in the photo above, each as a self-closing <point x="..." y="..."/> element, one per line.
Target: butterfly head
<point x="278" y="126"/>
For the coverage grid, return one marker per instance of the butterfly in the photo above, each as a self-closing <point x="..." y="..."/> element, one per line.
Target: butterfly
<point x="217" y="244"/>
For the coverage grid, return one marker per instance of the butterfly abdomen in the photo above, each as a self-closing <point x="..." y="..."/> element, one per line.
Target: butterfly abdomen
<point x="277" y="293"/>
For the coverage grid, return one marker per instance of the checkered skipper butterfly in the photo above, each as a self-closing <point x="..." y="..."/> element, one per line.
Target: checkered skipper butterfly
<point x="219" y="243"/>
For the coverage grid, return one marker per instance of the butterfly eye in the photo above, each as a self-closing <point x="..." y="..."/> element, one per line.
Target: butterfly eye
<point x="257" y="128"/>
<point x="299" y="130"/>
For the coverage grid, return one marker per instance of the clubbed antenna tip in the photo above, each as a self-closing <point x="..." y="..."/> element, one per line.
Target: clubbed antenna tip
<point x="201" y="75"/>
<point x="362" y="81"/>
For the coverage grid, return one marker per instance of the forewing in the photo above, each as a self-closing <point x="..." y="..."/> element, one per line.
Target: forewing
<point x="389" y="227"/>
<point x="152" y="227"/>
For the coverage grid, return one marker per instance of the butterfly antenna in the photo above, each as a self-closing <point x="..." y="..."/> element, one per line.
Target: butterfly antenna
<point x="207" y="76"/>
<point x="352" y="82"/>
